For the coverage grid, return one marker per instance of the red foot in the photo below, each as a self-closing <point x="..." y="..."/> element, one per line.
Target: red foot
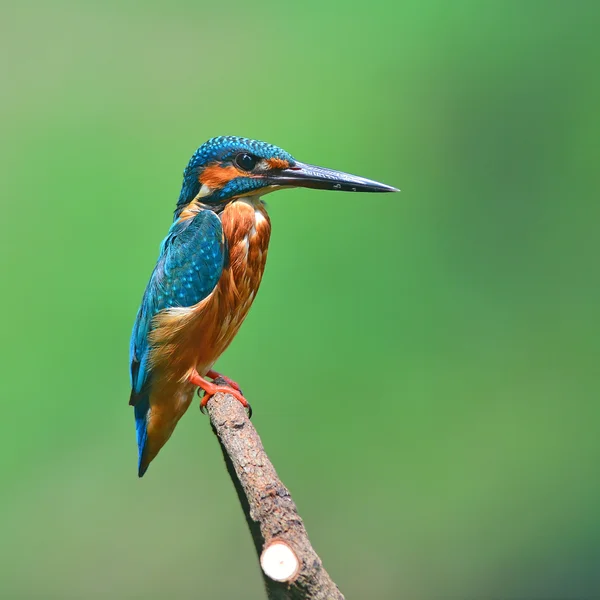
<point x="214" y="374"/>
<point x="210" y="389"/>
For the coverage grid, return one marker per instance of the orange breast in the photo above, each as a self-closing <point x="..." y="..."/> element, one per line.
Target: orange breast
<point x="194" y="338"/>
<point x="247" y="230"/>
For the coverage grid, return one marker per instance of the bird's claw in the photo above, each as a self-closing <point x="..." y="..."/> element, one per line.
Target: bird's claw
<point x="230" y="382"/>
<point x="225" y="390"/>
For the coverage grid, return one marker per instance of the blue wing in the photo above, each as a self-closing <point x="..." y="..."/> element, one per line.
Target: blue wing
<point x="188" y="269"/>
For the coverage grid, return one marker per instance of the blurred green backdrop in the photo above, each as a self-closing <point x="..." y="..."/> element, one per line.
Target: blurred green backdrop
<point x="447" y="443"/>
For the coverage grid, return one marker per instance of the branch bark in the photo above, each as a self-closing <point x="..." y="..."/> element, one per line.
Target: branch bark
<point x="270" y="512"/>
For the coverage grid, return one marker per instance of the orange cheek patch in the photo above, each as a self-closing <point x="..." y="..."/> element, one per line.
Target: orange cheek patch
<point x="216" y="177"/>
<point x="278" y="163"/>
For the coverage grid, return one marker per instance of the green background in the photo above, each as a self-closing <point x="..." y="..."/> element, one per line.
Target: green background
<point x="423" y="366"/>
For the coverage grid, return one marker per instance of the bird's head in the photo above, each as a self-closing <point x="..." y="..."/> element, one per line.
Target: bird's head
<point x="229" y="167"/>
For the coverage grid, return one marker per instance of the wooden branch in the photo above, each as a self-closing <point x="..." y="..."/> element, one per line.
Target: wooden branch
<point x="291" y="568"/>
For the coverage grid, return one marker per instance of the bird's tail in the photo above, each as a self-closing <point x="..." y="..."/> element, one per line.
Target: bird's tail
<point x="156" y="415"/>
<point x="142" y="413"/>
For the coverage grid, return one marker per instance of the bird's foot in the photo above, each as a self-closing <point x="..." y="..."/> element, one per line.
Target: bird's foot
<point x="210" y="389"/>
<point x="230" y="382"/>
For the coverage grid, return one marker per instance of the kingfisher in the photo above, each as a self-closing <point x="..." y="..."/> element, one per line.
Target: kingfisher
<point x="207" y="275"/>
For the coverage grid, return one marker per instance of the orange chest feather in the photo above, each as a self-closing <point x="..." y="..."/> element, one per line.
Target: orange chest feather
<point x="247" y="229"/>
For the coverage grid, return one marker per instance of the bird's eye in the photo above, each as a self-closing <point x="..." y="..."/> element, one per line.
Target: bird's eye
<point x="245" y="161"/>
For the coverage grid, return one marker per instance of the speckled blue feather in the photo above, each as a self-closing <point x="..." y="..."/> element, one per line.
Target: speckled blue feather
<point x="188" y="269"/>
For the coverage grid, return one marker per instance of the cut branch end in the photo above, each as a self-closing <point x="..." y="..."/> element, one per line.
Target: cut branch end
<point x="291" y="568"/>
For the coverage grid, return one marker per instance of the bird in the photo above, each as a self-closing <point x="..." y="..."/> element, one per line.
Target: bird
<point x="208" y="272"/>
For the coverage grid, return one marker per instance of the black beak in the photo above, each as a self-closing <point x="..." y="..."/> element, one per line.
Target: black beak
<point x="320" y="178"/>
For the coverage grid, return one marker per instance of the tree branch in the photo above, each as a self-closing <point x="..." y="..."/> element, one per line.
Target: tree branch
<point x="291" y="568"/>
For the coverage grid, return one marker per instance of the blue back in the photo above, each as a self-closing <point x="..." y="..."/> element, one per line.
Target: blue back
<point x="188" y="269"/>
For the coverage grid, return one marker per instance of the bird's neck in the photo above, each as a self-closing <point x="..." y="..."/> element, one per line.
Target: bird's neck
<point x="189" y="191"/>
<point x="189" y="211"/>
